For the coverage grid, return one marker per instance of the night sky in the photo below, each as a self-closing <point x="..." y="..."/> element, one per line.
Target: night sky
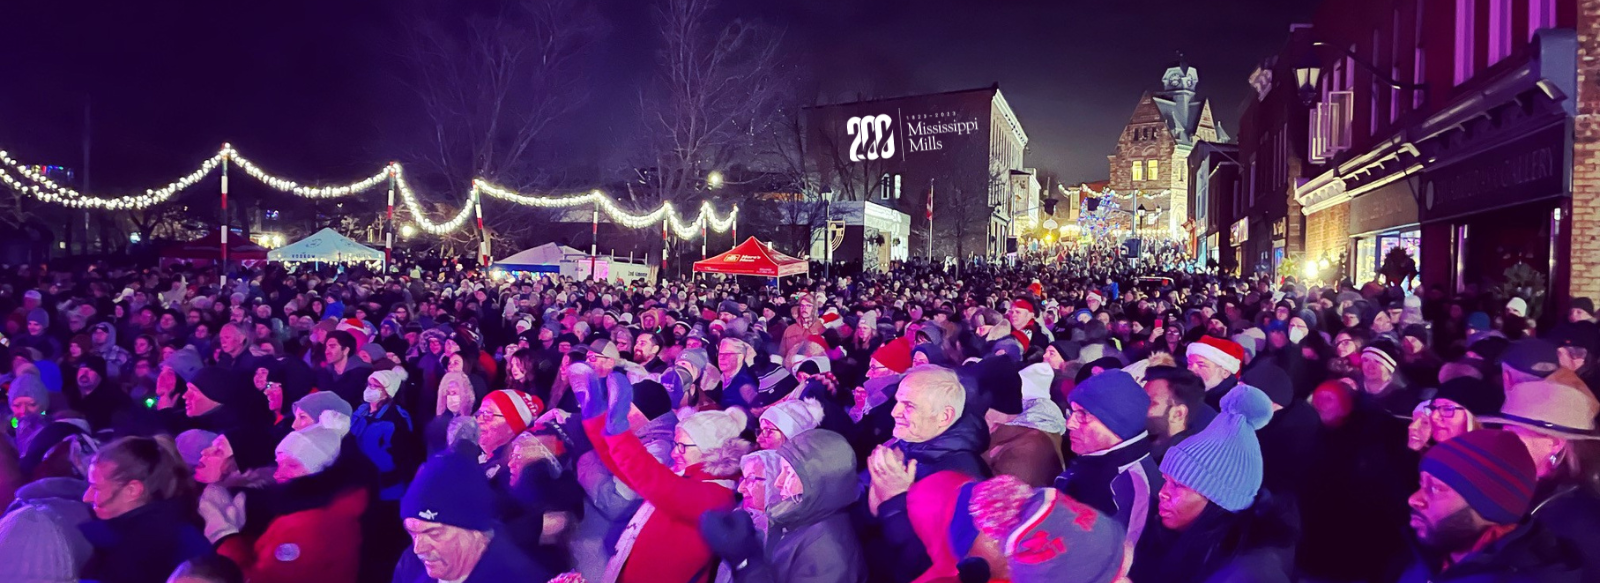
<point x="315" y="89"/>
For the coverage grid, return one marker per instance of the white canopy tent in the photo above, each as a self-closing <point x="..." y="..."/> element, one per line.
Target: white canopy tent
<point x="326" y="246"/>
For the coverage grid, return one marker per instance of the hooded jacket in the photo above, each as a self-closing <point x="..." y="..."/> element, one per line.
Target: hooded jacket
<point x="116" y="356"/>
<point x="811" y="539"/>
<point x="959" y="448"/>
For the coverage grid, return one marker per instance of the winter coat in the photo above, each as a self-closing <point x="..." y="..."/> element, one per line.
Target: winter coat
<point x="116" y="356"/>
<point x="144" y="545"/>
<point x="1287" y="445"/>
<point x="1024" y="452"/>
<point x="1528" y="554"/>
<point x="1123" y="482"/>
<point x="1214" y="395"/>
<point x="959" y="448"/>
<point x="668" y="546"/>
<point x="1571" y="513"/>
<point x="106" y="405"/>
<point x="307" y="529"/>
<point x="1255" y="545"/>
<point x="348" y="385"/>
<point x="244" y="364"/>
<point x="545" y="487"/>
<point x="501" y="561"/>
<point x="61" y="501"/>
<point x="391" y="442"/>
<point x="1353" y="502"/>
<point x="813" y="541"/>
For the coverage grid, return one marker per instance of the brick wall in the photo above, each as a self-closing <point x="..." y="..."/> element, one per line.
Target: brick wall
<point x="1586" y="157"/>
<point x="1328" y="231"/>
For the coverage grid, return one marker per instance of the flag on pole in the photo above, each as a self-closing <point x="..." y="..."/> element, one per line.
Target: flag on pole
<point x="930" y="200"/>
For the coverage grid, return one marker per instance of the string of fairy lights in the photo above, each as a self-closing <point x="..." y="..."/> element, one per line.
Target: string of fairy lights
<point x="28" y="180"/>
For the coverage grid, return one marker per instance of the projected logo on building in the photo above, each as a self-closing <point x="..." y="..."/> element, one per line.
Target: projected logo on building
<point x="874" y="135"/>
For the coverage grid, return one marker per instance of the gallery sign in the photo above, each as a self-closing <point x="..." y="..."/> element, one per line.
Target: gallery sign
<point x="1530" y="168"/>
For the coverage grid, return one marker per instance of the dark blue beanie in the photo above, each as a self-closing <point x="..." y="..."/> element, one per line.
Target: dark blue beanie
<point x="450" y="489"/>
<point x="1116" y="400"/>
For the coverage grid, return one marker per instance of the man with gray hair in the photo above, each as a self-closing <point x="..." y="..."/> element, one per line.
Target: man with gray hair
<point x="933" y="432"/>
<point x="233" y="351"/>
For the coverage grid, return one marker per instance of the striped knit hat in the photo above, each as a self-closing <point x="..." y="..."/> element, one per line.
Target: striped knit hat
<point x="1223" y="461"/>
<point x="1225" y="353"/>
<point x="1490" y="468"/>
<point x="519" y="408"/>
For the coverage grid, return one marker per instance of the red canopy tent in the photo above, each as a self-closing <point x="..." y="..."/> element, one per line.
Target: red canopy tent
<point x="753" y="257"/>
<point x="209" y="248"/>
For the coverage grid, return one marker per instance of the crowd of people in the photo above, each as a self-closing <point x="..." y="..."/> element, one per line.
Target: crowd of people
<point x="1077" y="419"/>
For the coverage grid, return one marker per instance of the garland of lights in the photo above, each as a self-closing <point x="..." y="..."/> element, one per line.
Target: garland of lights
<point x="39" y="186"/>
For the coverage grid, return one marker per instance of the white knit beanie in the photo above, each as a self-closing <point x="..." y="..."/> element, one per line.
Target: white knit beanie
<point x="315" y="447"/>
<point x="711" y="429"/>
<point x="794" y="416"/>
<point x="1036" y="381"/>
<point x="390" y="379"/>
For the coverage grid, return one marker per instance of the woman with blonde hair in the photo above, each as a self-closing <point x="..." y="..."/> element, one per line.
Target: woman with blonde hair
<point x="142" y="493"/>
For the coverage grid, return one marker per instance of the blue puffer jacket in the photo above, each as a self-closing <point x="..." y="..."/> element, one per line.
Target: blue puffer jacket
<point x="388" y="439"/>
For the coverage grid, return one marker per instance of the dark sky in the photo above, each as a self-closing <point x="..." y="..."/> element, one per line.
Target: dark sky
<point x="312" y="88"/>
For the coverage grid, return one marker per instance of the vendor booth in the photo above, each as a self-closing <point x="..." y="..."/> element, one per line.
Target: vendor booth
<point x="208" y="249"/>
<point x="753" y="257"/>
<point x="569" y="262"/>
<point x="326" y="246"/>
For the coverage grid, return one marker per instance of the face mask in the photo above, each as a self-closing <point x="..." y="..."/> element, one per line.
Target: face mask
<point x="1296" y="335"/>
<point x="452" y="402"/>
<point x="371" y="395"/>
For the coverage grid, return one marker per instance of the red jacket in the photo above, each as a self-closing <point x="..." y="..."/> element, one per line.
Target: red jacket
<point x="669" y="547"/>
<point x="318" y="544"/>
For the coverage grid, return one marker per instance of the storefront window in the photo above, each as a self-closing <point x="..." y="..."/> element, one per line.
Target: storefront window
<point x="1366" y="264"/>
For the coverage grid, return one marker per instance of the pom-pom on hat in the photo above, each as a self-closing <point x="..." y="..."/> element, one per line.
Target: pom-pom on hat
<point x="1223" y="461"/>
<point x="1224" y="353"/>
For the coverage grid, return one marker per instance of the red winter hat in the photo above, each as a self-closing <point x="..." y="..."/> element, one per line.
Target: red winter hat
<point x="519" y="408"/>
<point x="894" y="355"/>
<point x="1225" y="353"/>
<point x="1023" y="304"/>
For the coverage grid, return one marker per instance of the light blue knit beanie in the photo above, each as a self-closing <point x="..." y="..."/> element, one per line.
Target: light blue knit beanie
<point x="1223" y="461"/>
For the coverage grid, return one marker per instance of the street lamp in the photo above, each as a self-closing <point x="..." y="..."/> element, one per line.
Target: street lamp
<point x="1308" y="74"/>
<point x="714" y="180"/>
<point x="408" y="231"/>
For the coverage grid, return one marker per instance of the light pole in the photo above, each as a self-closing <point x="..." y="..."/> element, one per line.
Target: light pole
<point x="1308" y="75"/>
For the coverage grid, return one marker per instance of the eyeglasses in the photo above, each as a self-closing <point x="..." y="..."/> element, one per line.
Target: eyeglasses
<point x="682" y="447"/>
<point x="1444" y="411"/>
<point x="483" y="415"/>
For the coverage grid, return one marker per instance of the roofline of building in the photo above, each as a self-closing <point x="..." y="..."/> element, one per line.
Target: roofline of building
<point x="1011" y="117"/>
<point x="995" y="88"/>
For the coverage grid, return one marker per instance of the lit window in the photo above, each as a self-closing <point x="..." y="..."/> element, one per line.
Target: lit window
<point x="1499" y="30"/>
<point x="1138" y="171"/>
<point x="1466" y="19"/>
<point x="1153" y="170"/>
<point x="1541" y="15"/>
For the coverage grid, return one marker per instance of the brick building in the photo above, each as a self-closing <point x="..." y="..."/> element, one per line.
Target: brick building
<point x="1271" y="156"/>
<point x="962" y="148"/>
<point x="1213" y="201"/>
<point x="1459" y="130"/>
<point x="1149" y="169"/>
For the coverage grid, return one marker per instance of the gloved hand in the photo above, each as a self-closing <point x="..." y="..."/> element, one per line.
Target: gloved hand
<point x="590" y="389"/>
<point x="620" y="393"/>
<point x="731" y="535"/>
<point x="223" y="515"/>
